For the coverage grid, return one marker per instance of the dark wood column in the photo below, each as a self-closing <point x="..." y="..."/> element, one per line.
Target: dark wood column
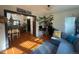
<point x="34" y="26"/>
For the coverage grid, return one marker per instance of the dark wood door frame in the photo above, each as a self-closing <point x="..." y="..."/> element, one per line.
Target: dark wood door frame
<point x="34" y="21"/>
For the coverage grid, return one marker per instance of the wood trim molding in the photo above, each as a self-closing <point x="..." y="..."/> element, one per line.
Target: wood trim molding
<point x="34" y="21"/>
<point x="3" y="19"/>
<point x="5" y="11"/>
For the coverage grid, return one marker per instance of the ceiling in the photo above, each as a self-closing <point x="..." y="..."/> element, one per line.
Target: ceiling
<point x="58" y="8"/>
<point x="45" y="8"/>
<point x="36" y="9"/>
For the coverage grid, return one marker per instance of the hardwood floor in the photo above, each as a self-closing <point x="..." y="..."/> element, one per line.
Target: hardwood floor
<point x="24" y="45"/>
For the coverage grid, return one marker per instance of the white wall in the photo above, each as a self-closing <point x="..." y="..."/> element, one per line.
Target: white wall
<point x="2" y="37"/>
<point x="31" y="23"/>
<point x="59" y="17"/>
<point x="2" y="7"/>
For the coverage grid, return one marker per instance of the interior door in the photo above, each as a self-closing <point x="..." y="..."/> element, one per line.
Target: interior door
<point x="28" y="25"/>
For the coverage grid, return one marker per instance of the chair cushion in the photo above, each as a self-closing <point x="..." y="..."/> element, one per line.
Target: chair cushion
<point x="45" y="48"/>
<point x="55" y="42"/>
<point x="65" y="47"/>
<point x="71" y="38"/>
<point x="76" y="45"/>
<point x="64" y="35"/>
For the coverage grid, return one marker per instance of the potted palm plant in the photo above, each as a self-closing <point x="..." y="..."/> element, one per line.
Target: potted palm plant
<point x="46" y="21"/>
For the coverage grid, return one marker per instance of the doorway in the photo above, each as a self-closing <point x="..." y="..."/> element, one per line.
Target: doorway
<point x="28" y="25"/>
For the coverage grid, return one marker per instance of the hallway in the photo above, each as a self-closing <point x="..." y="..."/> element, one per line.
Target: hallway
<point x="24" y="45"/>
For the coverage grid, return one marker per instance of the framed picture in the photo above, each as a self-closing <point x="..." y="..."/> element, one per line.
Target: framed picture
<point x="22" y="11"/>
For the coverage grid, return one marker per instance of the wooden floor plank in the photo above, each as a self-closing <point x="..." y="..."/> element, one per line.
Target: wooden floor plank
<point x="25" y="44"/>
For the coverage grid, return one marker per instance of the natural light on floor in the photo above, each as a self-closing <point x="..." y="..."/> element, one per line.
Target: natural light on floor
<point x="26" y="46"/>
